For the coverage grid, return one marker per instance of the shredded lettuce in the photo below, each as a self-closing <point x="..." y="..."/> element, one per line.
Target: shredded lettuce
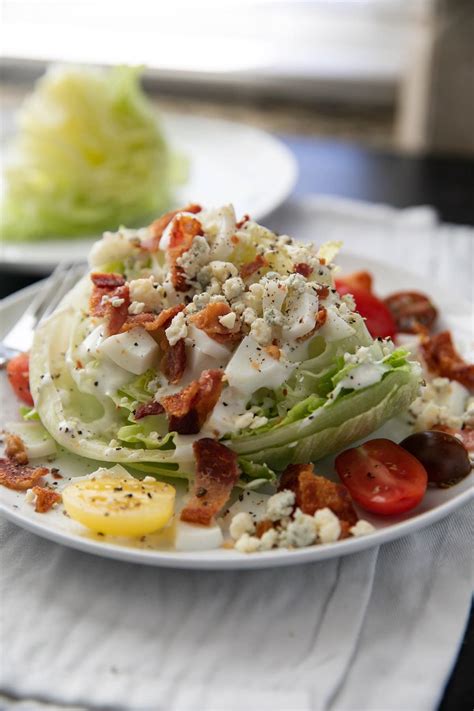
<point x="90" y="155"/>
<point x="256" y="471"/>
<point x="29" y="413"/>
<point x="152" y="432"/>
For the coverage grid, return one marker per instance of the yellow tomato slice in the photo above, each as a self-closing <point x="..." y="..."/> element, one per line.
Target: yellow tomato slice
<point x="120" y="505"/>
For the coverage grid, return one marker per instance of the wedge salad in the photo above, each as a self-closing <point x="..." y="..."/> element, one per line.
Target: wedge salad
<point x="208" y="349"/>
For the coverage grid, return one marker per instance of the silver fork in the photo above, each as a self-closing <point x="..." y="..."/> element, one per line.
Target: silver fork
<point x="20" y="337"/>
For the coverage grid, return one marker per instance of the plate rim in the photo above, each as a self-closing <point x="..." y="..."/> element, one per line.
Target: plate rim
<point x="230" y="560"/>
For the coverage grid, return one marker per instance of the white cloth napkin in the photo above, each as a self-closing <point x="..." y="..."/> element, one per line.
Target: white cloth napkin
<point x="376" y="630"/>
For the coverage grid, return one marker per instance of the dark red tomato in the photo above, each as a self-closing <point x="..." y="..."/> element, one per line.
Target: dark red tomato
<point x="444" y="456"/>
<point x="382" y="477"/>
<point x="377" y="316"/>
<point x="18" y="372"/>
<point x="410" y="309"/>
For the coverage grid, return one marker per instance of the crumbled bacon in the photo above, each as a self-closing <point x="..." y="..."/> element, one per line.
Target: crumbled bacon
<point x="183" y="231"/>
<point x="158" y="226"/>
<point x="273" y="351"/>
<point x="116" y="316"/>
<point x="208" y="321"/>
<point x="216" y="476"/>
<point x="103" y="285"/>
<point x="323" y="292"/>
<point x="250" y="268"/>
<point x="262" y="527"/>
<point x="148" y="408"/>
<point x="304" y="269"/>
<point x="321" y="317"/>
<point x="242" y="222"/>
<point x="105" y="280"/>
<point x="173" y="363"/>
<point x="188" y="410"/>
<point x="152" y="322"/>
<point x="442" y="358"/>
<point x="173" y="358"/>
<point x="316" y="492"/>
<point x="45" y="499"/>
<point x="410" y="310"/>
<point x="19" y="476"/>
<point x="15" y="449"/>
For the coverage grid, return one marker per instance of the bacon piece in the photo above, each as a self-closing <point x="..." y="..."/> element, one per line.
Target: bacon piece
<point x="323" y="292"/>
<point x="116" y="316"/>
<point x="19" y="476"/>
<point x="183" y="231"/>
<point x="208" y="321"/>
<point x="158" y="226"/>
<point x="321" y="317"/>
<point x="273" y="351"/>
<point x="242" y="222"/>
<point x="152" y="322"/>
<point x="303" y="269"/>
<point x="107" y="280"/>
<point x="173" y="363"/>
<point x="45" y="498"/>
<point x="263" y="526"/>
<point x="316" y="492"/>
<point x="250" y="268"/>
<point x="442" y="358"/>
<point x="216" y="476"/>
<point x="410" y="309"/>
<point x="173" y="360"/>
<point x="188" y="410"/>
<point x="15" y="449"/>
<point x="103" y="285"/>
<point x="148" y="408"/>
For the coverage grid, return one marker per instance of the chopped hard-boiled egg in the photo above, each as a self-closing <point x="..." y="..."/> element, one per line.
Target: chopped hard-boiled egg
<point x="251" y="368"/>
<point x="135" y="350"/>
<point x="110" y="501"/>
<point x="192" y="537"/>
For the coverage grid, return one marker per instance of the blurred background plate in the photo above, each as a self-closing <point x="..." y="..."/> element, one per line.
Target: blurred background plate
<point x="227" y="160"/>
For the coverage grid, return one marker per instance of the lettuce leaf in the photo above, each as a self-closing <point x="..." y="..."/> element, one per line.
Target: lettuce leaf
<point x="256" y="471"/>
<point x="152" y="432"/>
<point x="329" y="428"/>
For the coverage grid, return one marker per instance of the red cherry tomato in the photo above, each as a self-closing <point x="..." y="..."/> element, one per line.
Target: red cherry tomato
<point x="382" y="477"/>
<point x="357" y="280"/>
<point x="377" y="316"/>
<point x="18" y="372"/>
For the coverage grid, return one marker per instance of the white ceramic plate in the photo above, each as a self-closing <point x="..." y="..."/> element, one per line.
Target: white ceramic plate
<point x="436" y="504"/>
<point x="226" y="158"/>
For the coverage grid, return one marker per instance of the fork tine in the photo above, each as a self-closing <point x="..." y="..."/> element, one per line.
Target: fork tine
<point x="20" y="336"/>
<point x="70" y="278"/>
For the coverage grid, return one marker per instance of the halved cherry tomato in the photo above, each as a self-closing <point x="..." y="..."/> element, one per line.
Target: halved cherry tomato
<point x="382" y="477"/>
<point x="410" y="309"/>
<point x="18" y="372"/>
<point x="377" y="316"/>
<point x="357" y="280"/>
